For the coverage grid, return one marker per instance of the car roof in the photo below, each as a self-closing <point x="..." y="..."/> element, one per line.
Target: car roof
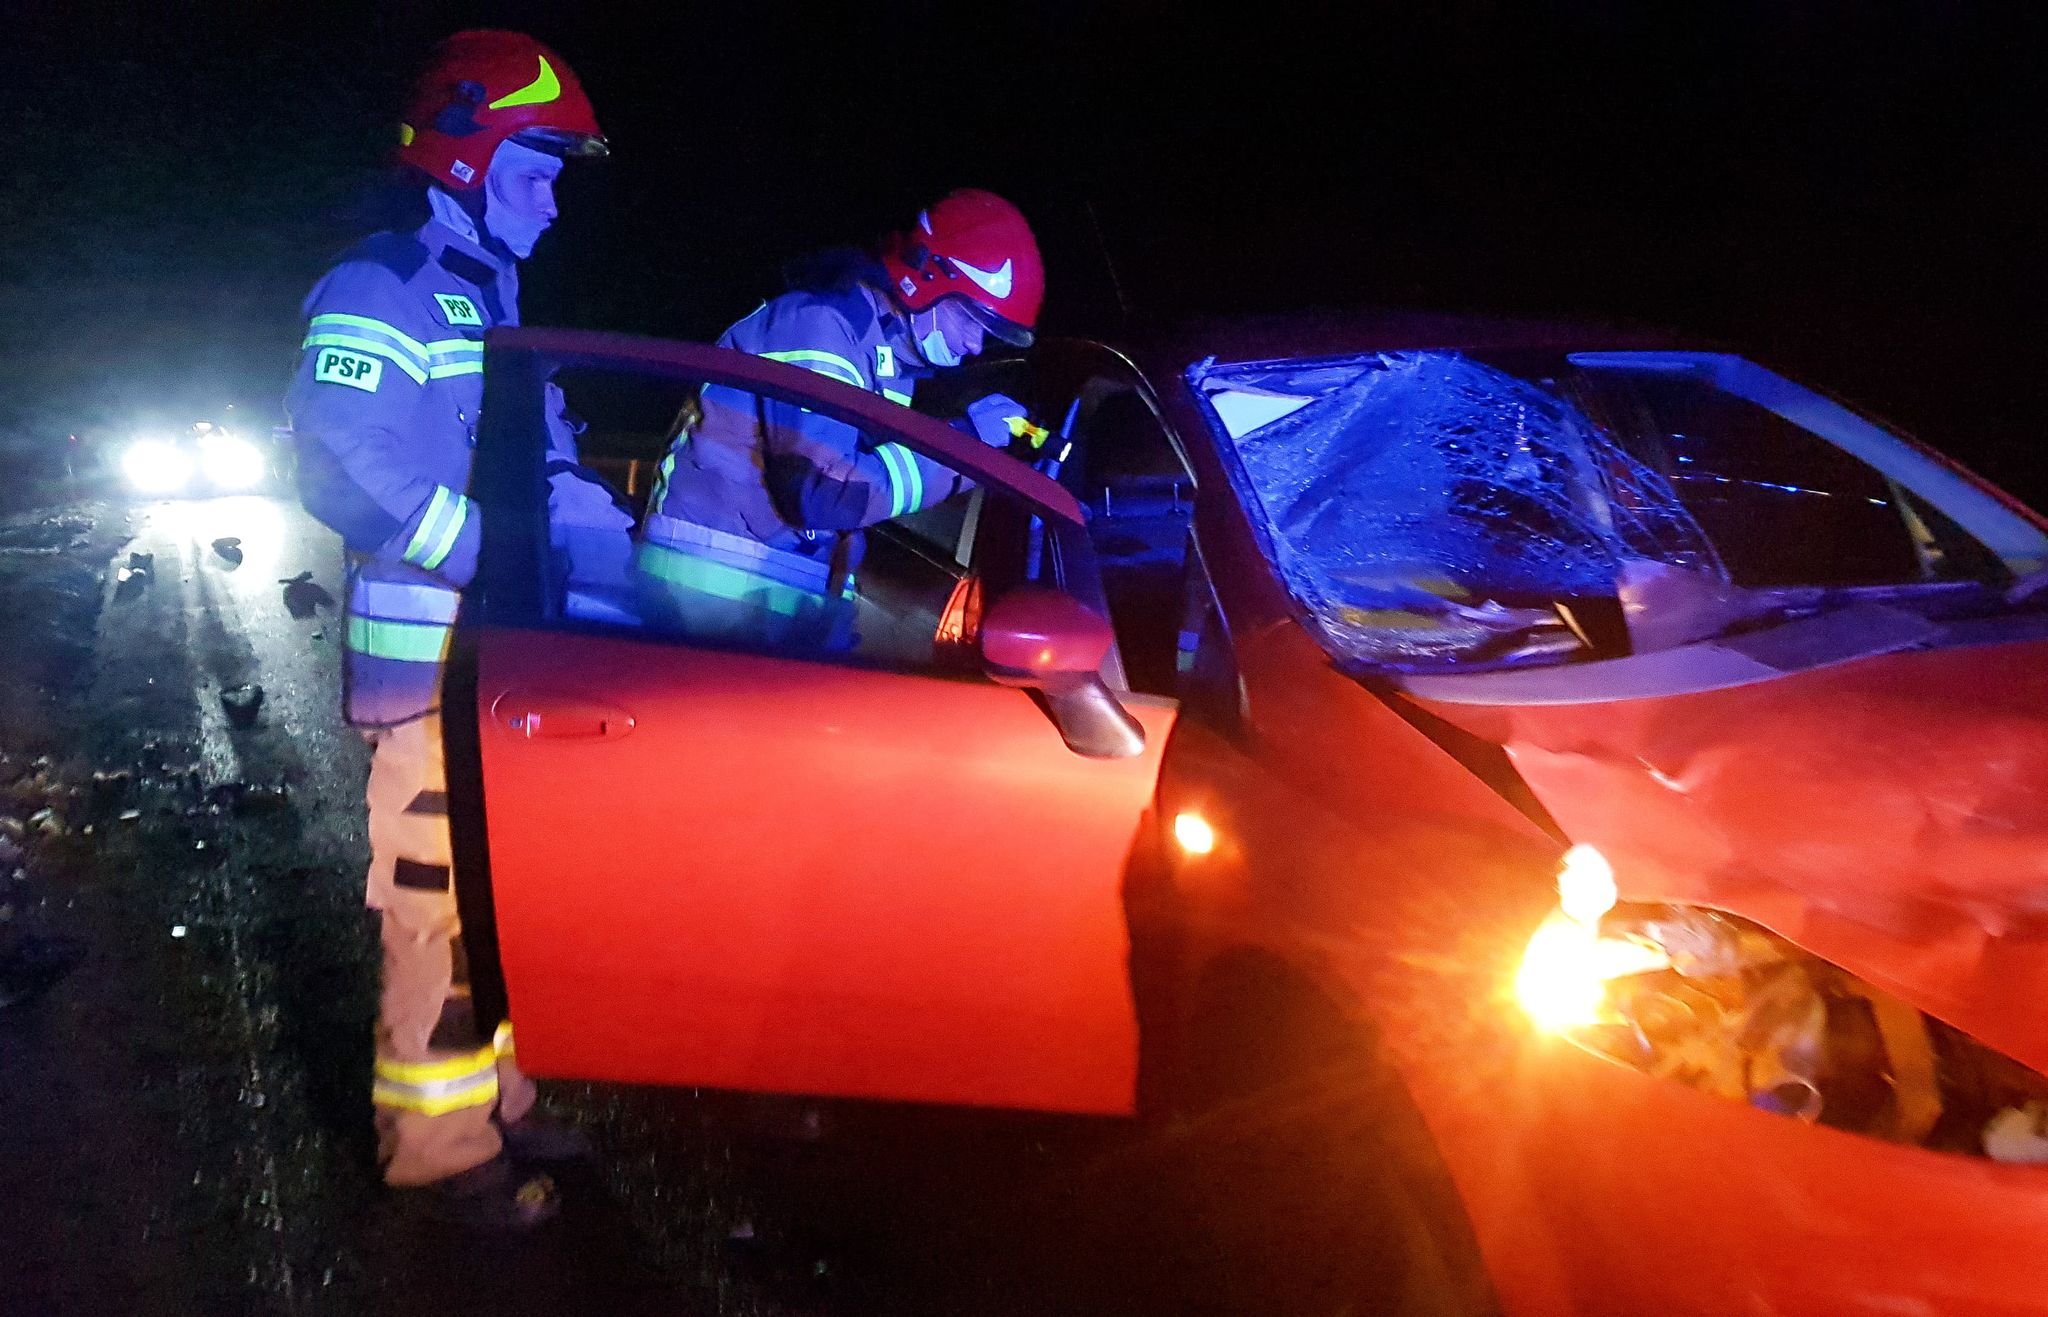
<point x="1167" y="348"/>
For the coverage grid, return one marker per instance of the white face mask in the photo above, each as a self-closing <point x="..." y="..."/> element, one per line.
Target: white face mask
<point x="946" y="334"/>
<point x="519" y="195"/>
<point x="931" y="340"/>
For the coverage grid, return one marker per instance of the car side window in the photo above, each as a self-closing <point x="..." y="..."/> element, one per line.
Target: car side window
<point x="686" y="560"/>
<point x="1120" y="463"/>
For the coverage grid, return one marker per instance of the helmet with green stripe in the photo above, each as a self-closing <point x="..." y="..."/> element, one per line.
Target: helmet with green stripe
<point x="485" y="87"/>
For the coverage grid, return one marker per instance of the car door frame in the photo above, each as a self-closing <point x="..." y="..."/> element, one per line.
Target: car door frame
<point x="509" y="485"/>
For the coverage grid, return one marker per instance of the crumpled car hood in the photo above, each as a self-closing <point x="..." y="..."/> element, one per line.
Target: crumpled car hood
<point x="1889" y="814"/>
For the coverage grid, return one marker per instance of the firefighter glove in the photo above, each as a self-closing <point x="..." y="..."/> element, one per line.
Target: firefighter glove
<point x="999" y="419"/>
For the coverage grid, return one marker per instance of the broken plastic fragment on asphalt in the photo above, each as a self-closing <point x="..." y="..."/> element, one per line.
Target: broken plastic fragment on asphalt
<point x="245" y="798"/>
<point x="229" y="547"/>
<point x="109" y="783"/>
<point x="242" y="704"/>
<point x="129" y="580"/>
<point x="303" y="596"/>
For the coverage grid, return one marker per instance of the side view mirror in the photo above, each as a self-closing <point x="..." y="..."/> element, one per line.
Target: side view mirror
<point x="1053" y="644"/>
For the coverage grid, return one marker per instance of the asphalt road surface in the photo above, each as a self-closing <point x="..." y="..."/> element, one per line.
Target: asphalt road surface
<point x="184" y="1125"/>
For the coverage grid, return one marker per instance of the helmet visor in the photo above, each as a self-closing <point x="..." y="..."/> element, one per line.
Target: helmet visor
<point x="1009" y="331"/>
<point x="562" y="142"/>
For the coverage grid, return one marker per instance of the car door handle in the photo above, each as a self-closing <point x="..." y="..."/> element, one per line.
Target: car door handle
<point x="559" y="717"/>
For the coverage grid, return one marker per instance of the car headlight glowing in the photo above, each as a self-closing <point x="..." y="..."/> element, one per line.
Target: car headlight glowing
<point x="1194" y="833"/>
<point x="156" y="466"/>
<point x="230" y="462"/>
<point x="1722" y="1005"/>
<point x="1568" y="965"/>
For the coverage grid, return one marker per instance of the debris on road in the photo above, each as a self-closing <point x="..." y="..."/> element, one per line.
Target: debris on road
<point x="229" y="547"/>
<point x="244" y="798"/>
<point x="139" y="572"/>
<point x="255" y="799"/>
<point x="303" y="596"/>
<point x="49" y="536"/>
<point x="242" y="703"/>
<point x="108" y="783"/>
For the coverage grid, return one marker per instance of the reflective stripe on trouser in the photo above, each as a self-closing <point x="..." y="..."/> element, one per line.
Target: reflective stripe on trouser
<point x="715" y="586"/>
<point x="438" y="1081"/>
<point x="397" y="635"/>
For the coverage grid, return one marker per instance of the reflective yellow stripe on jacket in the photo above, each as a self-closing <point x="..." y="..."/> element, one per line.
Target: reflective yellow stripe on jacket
<point x="821" y="363"/>
<point x="441" y="525"/>
<point x="423" y="361"/>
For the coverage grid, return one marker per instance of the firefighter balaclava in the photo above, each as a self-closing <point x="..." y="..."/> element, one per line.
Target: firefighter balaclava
<point x="519" y="196"/>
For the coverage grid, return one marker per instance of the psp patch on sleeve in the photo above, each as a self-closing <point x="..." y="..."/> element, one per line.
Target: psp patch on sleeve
<point x="458" y="310"/>
<point x="350" y="368"/>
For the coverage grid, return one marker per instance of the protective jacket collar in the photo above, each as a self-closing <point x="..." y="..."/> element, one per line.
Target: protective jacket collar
<point x="451" y="228"/>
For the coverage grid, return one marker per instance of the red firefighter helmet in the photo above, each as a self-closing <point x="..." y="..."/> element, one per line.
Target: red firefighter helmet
<point x="976" y="246"/>
<point x="482" y="87"/>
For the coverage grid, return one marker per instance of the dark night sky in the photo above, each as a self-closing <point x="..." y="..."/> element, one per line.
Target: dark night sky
<point x="1851" y="191"/>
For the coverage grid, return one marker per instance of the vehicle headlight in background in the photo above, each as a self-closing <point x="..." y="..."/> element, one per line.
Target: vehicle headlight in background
<point x="230" y="462"/>
<point x="1725" y="1006"/>
<point x="156" y="466"/>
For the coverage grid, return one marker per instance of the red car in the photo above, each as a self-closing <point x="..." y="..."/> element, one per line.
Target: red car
<point x="1225" y="766"/>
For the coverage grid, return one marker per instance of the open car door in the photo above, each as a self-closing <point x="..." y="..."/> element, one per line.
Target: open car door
<point x="754" y="867"/>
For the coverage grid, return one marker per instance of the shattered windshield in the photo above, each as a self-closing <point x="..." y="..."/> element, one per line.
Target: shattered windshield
<point x="1433" y="509"/>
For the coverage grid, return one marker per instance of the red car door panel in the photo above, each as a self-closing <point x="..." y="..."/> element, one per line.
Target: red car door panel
<point x="773" y="874"/>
